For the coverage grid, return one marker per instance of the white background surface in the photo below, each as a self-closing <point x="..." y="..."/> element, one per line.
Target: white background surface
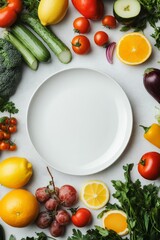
<point x="130" y="79"/>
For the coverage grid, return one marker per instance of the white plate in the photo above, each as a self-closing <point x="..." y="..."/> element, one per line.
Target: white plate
<point x="80" y="121"/>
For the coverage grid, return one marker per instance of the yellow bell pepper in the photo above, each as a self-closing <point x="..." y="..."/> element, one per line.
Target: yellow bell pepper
<point x="52" y="11"/>
<point x="152" y="134"/>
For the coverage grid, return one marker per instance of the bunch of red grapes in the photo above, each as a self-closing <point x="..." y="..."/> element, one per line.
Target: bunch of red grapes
<point x="54" y="200"/>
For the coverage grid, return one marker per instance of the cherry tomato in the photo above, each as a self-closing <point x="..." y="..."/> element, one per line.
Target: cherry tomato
<point x="12" y="128"/>
<point x="81" y="217"/>
<point x="149" y="165"/>
<point x="81" y="25"/>
<point x="109" y="21"/>
<point x="4" y="145"/>
<point x="12" y="146"/>
<point x="13" y="121"/>
<point x="1" y="135"/>
<point x="6" y="135"/>
<point x="6" y="120"/>
<point x="80" y="44"/>
<point x="101" y="38"/>
<point x="4" y="127"/>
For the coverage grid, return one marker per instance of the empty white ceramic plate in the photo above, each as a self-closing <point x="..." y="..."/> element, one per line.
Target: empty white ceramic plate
<point x="79" y="121"/>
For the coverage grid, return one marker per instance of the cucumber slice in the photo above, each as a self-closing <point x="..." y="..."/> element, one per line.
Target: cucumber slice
<point x="126" y="11"/>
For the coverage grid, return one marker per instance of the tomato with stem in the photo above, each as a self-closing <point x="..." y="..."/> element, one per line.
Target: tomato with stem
<point x="81" y="216"/>
<point x="80" y="44"/>
<point x="12" y="146"/>
<point x="149" y="165"/>
<point x="13" y="121"/>
<point x="81" y="25"/>
<point x="109" y="21"/>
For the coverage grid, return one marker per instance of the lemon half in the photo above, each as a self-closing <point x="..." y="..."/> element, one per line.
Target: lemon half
<point x="95" y="194"/>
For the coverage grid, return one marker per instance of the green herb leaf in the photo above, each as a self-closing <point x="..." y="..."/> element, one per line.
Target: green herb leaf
<point x="9" y="107"/>
<point x="12" y="237"/>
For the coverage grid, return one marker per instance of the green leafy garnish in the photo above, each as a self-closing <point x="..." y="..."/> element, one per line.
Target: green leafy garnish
<point x="9" y="107"/>
<point x="140" y="203"/>
<point x="39" y="236"/>
<point x="150" y="14"/>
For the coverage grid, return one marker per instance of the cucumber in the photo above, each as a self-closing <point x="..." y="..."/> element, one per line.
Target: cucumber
<point x="31" y="42"/>
<point x="62" y="52"/>
<point x="28" y="57"/>
<point x="126" y="11"/>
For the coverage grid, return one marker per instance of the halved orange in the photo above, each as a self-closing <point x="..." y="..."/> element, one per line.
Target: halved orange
<point x="133" y="48"/>
<point x="115" y="220"/>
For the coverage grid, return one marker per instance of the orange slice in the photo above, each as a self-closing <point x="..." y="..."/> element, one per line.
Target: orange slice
<point x="115" y="220"/>
<point x="133" y="48"/>
<point x="95" y="194"/>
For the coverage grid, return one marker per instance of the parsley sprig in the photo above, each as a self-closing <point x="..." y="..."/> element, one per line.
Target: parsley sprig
<point x="39" y="236"/>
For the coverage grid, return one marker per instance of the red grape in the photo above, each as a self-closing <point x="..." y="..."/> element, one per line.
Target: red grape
<point x="68" y="195"/>
<point x="56" y="229"/>
<point x="42" y="194"/>
<point x="62" y="217"/>
<point x="44" y="219"/>
<point x="52" y="204"/>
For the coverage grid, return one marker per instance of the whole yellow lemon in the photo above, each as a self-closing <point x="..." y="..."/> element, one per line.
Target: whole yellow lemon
<point x="15" y="172"/>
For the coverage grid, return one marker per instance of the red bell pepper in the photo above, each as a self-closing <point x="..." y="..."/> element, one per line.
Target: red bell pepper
<point x="92" y="9"/>
<point x="9" y="10"/>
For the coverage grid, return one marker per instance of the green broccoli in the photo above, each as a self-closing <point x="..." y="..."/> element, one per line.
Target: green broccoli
<point x="10" y="69"/>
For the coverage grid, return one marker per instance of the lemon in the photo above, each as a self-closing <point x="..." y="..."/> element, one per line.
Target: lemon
<point x="133" y="48"/>
<point x="115" y="220"/>
<point x="95" y="194"/>
<point x="15" y="172"/>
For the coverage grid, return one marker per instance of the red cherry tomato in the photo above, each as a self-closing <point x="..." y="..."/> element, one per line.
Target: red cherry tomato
<point x="12" y="128"/>
<point x="1" y="135"/>
<point x="12" y="147"/>
<point x="149" y="165"/>
<point x="80" y="44"/>
<point x="6" y="135"/>
<point x="13" y="121"/>
<point x="81" y="217"/>
<point x="81" y="25"/>
<point x="101" y="38"/>
<point x="4" y="145"/>
<point x="4" y="127"/>
<point x="109" y="21"/>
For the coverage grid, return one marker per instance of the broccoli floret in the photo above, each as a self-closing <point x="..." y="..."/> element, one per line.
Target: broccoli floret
<point x="10" y="69"/>
<point x="9" y="56"/>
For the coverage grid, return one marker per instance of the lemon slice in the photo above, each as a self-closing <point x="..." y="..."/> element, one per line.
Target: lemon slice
<point x="133" y="48"/>
<point x="115" y="220"/>
<point x="95" y="194"/>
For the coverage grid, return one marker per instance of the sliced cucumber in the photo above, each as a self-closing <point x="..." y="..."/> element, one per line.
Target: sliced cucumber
<point x="31" y="42"/>
<point x="126" y="11"/>
<point x="28" y="57"/>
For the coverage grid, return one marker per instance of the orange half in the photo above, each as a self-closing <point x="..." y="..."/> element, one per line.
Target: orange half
<point x="115" y="220"/>
<point x="133" y="48"/>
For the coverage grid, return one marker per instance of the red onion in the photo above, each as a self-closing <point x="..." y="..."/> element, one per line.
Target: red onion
<point x="109" y="52"/>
